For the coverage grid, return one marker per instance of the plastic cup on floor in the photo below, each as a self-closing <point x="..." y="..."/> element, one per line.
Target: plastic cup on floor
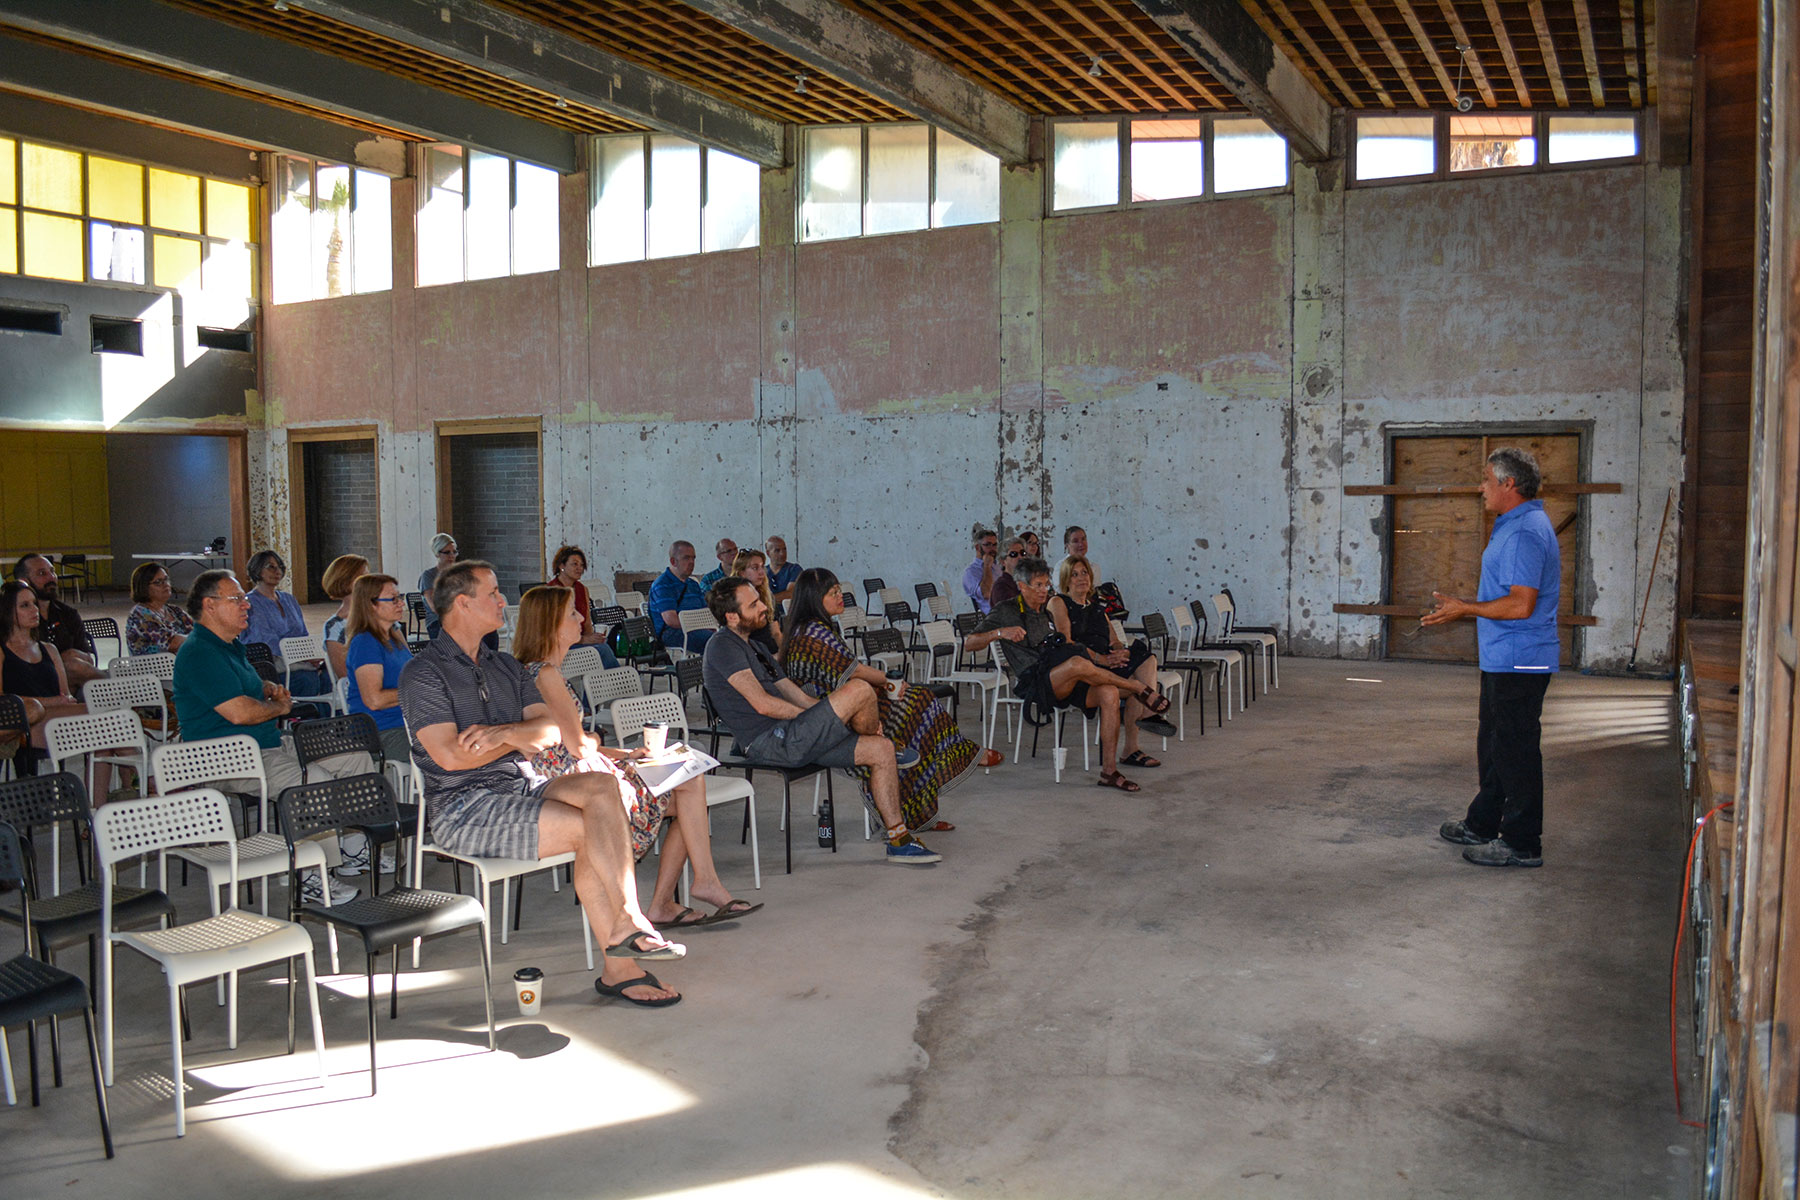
<point x="1062" y="757"/>
<point x="529" y="982"/>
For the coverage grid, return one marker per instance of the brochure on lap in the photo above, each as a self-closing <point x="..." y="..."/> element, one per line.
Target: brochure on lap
<point x="674" y="767"/>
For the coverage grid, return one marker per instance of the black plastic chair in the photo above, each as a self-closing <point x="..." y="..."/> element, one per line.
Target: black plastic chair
<point x="26" y="757"/>
<point x="1156" y="633"/>
<point x="403" y="914"/>
<point x="104" y="629"/>
<point x="789" y="776"/>
<point x="1250" y="648"/>
<point x="259" y="654"/>
<point x="32" y="990"/>
<point x="923" y="591"/>
<point x="418" y="620"/>
<point x="328" y="737"/>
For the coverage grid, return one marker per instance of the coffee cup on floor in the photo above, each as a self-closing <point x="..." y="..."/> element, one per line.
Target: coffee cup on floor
<point x="656" y="737"/>
<point x="529" y="982"/>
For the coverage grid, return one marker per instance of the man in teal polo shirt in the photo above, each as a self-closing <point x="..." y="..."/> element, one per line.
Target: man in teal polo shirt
<point x="1515" y="629"/>
<point x="218" y="694"/>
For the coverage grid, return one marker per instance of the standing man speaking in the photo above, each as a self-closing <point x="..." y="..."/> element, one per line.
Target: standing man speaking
<point x="1515" y="627"/>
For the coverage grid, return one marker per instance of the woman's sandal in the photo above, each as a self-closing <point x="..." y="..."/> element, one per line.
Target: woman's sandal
<point x="1137" y="758"/>
<point x="1112" y="779"/>
<point x="617" y="991"/>
<point x="939" y="827"/>
<point x="990" y="758"/>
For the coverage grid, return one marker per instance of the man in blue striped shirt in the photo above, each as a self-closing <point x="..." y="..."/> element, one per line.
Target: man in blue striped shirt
<point x="1515" y="627"/>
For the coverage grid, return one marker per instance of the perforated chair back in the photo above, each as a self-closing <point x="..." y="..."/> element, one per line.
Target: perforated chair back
<point x="939" y="607"/>
<point x="939" y="634"/>
<point x="580" y="662"/>
<point x="924" y="591"/>
<point x="160" y="665"/>
<point x="328" y="737"/>
<point x="690" y="673"/>
<point x="630" y="715"/>
<point x="12" y="713"/>
<point x="127" y="691"/>
<point x="127" y="828"/>
<point x="352" y="802"/>
<point x="1155" y="628"/>
<point x="34" y="802"/>
<point x="877" y="642"/>
<point x="632" y="602"/>
<point x="871" y="587"/>
<point x="639" y="629"/>
<point x="603" y="687"/>
<point x="898" y="610"/>
<point x="181" y="765"/>
<point x="966" y="622"/>
<point x="607" y="615"/>
<point x="69" y="737"/>
<point x="104" y="629"/>
<point x="259" y="654"/>
<point x="694" y="620"/>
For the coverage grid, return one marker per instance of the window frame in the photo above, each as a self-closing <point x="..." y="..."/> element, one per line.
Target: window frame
<point x="645" y="156"/>
<point x="1209" y="173"/>
<point x="312" y="212"/>
<point x="423" y="195"/>
<point x="150" y="231"/>
<point x="862" y="204"/>
<point x="1440" y="141"/>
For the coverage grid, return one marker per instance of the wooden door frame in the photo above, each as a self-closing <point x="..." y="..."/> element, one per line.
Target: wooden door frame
<point x="298" y="440"/>
<point x="1583" y="430"/>
<point x="445" y="430"/>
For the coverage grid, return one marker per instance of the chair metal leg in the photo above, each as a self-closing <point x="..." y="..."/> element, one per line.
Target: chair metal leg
<point x="787" y="818"/>
<point x="369" y="978"/>
<point x="290" y="1004"/>
<point x="176" y="1022"/>
<point x="394" y="986"/>
<point x="87" y="1018"/>
<point x="6" y="1071"/>
<point x="31" y="1042"/>
<point x="55" y="1049"/>
<point x="487" y="987"/>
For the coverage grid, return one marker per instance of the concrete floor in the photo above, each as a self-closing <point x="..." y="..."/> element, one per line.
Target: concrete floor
<point x="1263" y="976"/>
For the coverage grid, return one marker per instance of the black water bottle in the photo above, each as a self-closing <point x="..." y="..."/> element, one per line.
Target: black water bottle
<point x="827" y="824"/>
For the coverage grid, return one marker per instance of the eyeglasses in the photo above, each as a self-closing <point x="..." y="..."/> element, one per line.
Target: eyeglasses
<point x="480" y="683"/>
<point x="234" y="598"/>
<point x="387" y="599"/>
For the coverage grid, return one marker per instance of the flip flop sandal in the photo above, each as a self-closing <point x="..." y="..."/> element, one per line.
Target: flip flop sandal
<point x="632" y="947"/>
<point x="729" y="911"/>
<point x="1154" y="702"/>
<point x="990" y="758"/>
<point x="1116" y="780"/>
<point x="938" y="827"/>
<point x="1137" y="758"/>
<point x="687" y="918"/>
<point x="617" y="991"/>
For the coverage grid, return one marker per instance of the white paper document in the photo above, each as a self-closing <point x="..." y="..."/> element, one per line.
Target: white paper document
<point x="673" y="767"/>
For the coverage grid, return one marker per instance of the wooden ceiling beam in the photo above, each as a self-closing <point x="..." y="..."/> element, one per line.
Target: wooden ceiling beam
<point x="1021" y="84"/>
<point x="1669" y="42"/>
<point x="1349" y="47"/>
<point x="1507" y="54"/>
<point x="1385" y="40"/>
<point x="1125" y="55"/>
<point x="1547" y="48"/>
<point x="851" y="47"/>
<point x="527" y="52"/>
<point x="1236" y="52"/>
<point x="1320" y="59"/>
<point x="1172" y="62"/>
<point x="1629" y="39"/>
<point x="1431" y="55"/>
<point x="1036" y="39"/>
<point x="1590" y="60"/>
<point x="1476" y="74"/>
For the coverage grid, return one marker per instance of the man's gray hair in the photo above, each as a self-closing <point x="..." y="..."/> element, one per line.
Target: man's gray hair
<point x="1510" y="462"/>
<point x="1028" y="569"/>
<point x="460" y="578"/>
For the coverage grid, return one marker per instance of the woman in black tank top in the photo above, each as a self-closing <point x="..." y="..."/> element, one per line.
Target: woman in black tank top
<point x="29" y="667"/>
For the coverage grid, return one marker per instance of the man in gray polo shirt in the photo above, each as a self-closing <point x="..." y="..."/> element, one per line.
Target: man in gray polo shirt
<point x="777" y="724"/>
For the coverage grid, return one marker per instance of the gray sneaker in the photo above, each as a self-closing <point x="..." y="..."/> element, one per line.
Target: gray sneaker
<point x="1456" y="831"/>
<point x="1498" y="854"/>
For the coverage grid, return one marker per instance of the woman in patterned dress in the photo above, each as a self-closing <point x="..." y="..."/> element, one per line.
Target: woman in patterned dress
<point x="154" y="626"/>
<point x="549" y="625"/>
<point x="813" y="653"/>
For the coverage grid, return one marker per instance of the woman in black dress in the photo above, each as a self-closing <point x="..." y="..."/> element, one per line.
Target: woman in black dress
<point x="30" y="667"/>
<point x="1081" y="618"/>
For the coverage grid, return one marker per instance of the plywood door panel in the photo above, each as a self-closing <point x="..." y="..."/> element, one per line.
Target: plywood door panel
<point x="53" y="491"/>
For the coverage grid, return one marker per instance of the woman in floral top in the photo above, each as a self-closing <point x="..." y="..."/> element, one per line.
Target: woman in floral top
<point x="154" y="626"/>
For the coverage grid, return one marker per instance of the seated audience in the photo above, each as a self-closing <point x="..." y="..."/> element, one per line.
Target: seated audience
<point x="1080" y="617"/>
<point x="154" y="626"/>
<point x="782" y="573"/>
<point x="980" y="576"/>
<point x="727" y="550"/>
<point x="443" y="553"/>
<point x="1067" y="672"/>
<point x="676" y="591"/>
<point x="31" y="666"/>
<point x="375" y="656"/>
<point x="569" y="565"/>
<point x="339" y="576"/>
<point x="476" y="719"/>
<point x="219" y="694"/>
<point x="59" y="624"/>
<point x="1075" y="545"/>
<point x="814" y="656"/>
<point x="1033" y="549"/>
<point x="274" y="615"/>
<point x="1005" y="587"/>
<point x="777" y="724"/>
<point x="547" y="628"/>
<point x="751" y="565"/>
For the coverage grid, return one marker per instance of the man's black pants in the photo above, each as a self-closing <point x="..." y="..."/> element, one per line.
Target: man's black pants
<point x="1510" y="762"/>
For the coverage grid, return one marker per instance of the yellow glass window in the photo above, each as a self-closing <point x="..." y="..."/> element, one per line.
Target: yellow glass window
<point x="177" y="262"/>
<point x="115" y="190"/>
<point x="52" y="179"/>
<point x="53" y="247"/>
<point x="228" y="211"/>
<point x="9" y="167"/>
<point x="9" y="241"/>
<point x="227" y="273"/>
<point x="174" y="201"/>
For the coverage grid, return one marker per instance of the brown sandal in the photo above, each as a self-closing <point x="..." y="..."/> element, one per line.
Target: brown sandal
<point x="1112" y="779"/>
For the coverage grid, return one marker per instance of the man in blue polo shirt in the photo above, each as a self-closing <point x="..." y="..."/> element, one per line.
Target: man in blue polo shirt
<point x="674" y="592"/>
<point x="1515" y="628"/>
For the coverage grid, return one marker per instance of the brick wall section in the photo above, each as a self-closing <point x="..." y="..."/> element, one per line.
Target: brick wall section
<point x="343" y="515"/>
<point x="496" y="510"/>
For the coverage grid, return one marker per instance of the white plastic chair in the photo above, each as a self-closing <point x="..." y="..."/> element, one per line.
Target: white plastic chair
<point x="695" y="620"/>
<point x="116" y="738"/>
<point x="580" y="662"/>
<point x="941" y="643"/>
<point x="630" y="715"/>
<point x="160" y="665"/>
<point x="603" y="687"/>
<point x="220" y="945"/>
<point x="1186" y="633"/>
<point x="632" y="602"/>
<point x="107" y="694"/>
<point x="1171" y="683"/>
<point x="306" y="649"/>
<point x="1229" y="632"/>
<point x="999" y="692"/>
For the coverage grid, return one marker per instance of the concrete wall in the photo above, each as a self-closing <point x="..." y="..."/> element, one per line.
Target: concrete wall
<point x="144" y="468"/>
<point x="1195" y="383"/>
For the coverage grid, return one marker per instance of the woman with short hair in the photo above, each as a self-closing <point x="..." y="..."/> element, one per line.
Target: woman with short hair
<point x="344" y="571"/>
<point x="275" y="614"/>
<point x="813" y="653"/>
<point x="443" y="553"/>
<point x="154" y="626"/>
<point x="375" y="655"/>
<point x="569" y="565"/>
<point x="547" y="629"/>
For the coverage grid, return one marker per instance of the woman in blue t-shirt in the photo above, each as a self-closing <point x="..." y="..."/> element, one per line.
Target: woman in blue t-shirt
<point x="376" y="655"/>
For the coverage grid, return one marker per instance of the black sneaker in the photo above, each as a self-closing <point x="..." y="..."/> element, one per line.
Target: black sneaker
<point x="1159" y="727"/>
<point x="1461" y="834"/>
<point x="1498" y="854"/>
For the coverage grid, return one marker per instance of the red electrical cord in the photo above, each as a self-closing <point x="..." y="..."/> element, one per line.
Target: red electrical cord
<point x="1687" y="875"/>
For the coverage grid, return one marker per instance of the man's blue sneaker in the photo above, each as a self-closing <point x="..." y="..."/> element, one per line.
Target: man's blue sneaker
<point x="905" y="757"/>
<point x="911" y="852"/>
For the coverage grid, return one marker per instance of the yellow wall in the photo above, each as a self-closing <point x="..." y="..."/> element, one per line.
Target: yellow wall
<point x="53" y="493"/>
